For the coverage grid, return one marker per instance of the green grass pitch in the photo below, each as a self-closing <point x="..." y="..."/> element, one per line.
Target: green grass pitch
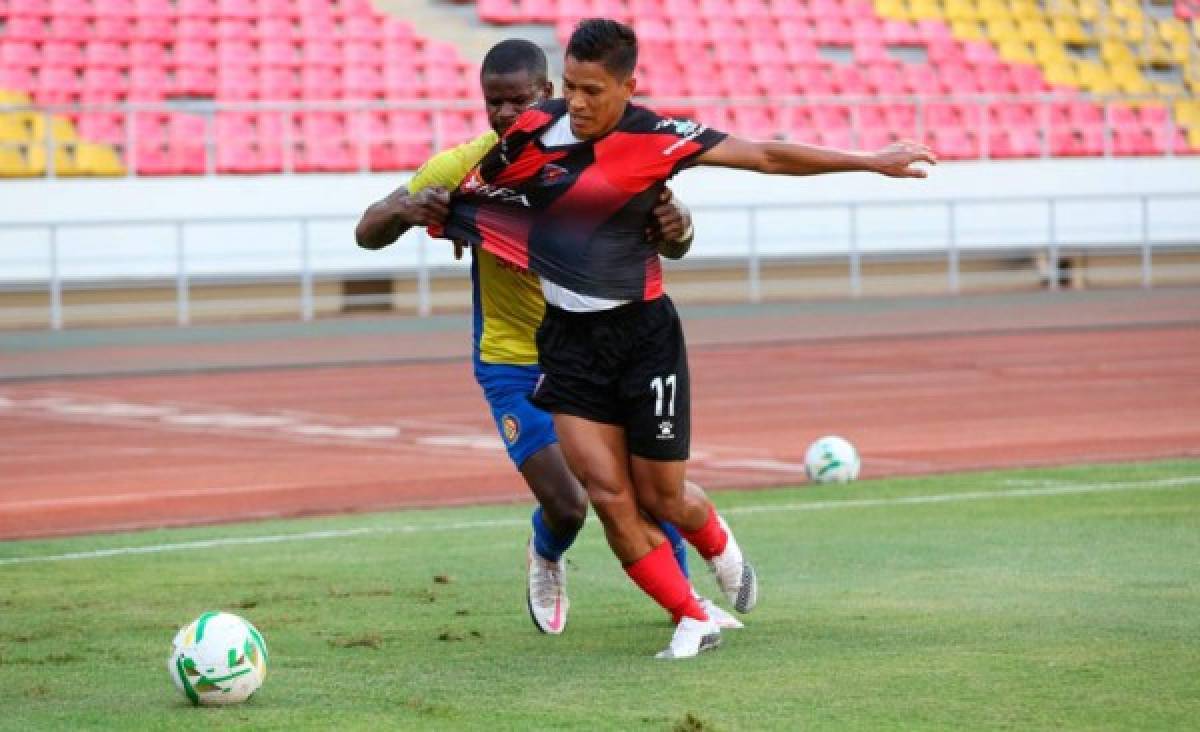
<point x="1039" y="599"/>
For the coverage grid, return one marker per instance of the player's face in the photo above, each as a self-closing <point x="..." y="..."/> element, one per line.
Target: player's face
<point x="505" y="96"/>
<point x="595" y="98"/>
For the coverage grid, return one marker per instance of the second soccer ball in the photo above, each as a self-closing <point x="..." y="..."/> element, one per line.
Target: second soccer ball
<point x="831" y="459"/>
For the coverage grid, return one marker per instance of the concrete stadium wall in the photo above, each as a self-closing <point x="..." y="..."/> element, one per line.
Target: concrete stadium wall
<point x="818" y="223"/>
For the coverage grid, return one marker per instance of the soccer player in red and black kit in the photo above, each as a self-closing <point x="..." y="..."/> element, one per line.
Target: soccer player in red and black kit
<point x="566" y="194"/>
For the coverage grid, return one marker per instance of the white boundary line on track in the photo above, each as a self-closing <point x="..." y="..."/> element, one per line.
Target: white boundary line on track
<point x="1048" y="488"/>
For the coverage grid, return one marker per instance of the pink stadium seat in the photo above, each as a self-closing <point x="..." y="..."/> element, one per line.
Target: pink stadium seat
<point x="886" y="79"/>
<point x="195" y="80"/>
<point x="54" y="53"/>
<point x="144" y="54"/>
<point x="68" y="28"/>
<point x="1130" y="141"/>
<point x="107" y="127"/>
<point x="274" y="29"/>
<point x="113" y="28"/>
<point x="873" y="138"/>
<point x="870" y="52"/>
<point x="320" y="83"/>
<point x="240" y="29"/>
<point x="903" y="32"/>
<point x="238" y="9"/>
<point x="279" y="83"/>
<point x="363" y="82"/>
<point x="278" y="9"/>
<point x="236" y="85"/>
<point x="954" y="144"/>
<point x="196" y="29"/>
<point x="849" y="80"/>
<point x="107" y="54"/>
<point x="154" y="9"/>
<point x="195" y="54"/>
<point x="22" y="27"/>
<point x="198" y="8"/>
<point x="71" y="8"/>
<point x="153" y="28"/>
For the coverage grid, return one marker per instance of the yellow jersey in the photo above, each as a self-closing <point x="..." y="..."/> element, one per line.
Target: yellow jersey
<point x="507" y="303"/>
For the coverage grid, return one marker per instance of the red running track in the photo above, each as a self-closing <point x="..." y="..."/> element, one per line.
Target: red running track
<point x="80" y="456"/>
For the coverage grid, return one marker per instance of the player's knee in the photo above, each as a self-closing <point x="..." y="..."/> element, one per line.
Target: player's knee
<point x="567" y="509"/>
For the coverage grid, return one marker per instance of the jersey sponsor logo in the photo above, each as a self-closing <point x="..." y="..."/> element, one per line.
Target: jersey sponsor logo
<point x="686" y="129"/>
<point x="512" y="428"/>
<point x="474" y="184"/>
<point x="553" y="174"/>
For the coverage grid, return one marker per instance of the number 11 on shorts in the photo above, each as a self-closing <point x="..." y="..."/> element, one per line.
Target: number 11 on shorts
<point x="663" y="388"/>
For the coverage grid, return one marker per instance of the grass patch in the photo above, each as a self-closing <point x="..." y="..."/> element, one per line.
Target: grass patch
<point x="1042" y="599"/>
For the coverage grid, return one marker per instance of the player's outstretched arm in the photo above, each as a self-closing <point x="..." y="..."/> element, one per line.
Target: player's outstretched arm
<point x="387" y="219"/>
<point x="897" y="160"/>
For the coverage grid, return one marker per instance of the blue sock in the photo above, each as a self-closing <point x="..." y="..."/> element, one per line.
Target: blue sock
<point x="547" y="543"/>
<point x="678" y="547"/>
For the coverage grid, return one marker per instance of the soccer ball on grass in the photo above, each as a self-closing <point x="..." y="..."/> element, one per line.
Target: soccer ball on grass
<point x="831" y="459"/>
<point x="218" y="658"/>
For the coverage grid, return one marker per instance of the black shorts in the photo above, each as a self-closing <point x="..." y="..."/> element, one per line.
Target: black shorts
<point x="626" y="366"/>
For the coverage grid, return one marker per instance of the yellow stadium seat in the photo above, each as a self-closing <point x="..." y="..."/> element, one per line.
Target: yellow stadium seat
<point x="1031" y="29"/>
<point x="993" y="9"/>
<point x="1050" y="53"/>
<point x="1069" y="30"/>
<point x="892" y="9"/>
<point x="1171" y="29"/>
<point x="95" y="159"/>
<point x="1000" y="28"/>
<point x="1187" y="112"/>
<point x="925" y="9"/>
<point x="967" y="30"/>
<point x="1016" y="51"/>
<point x="12" y="128"/>
<point x="61" y="127"/>
<point x="1116" y="52"/>
<point x="1134" y="85"/>
<point x="961" y="10"/>
<point x="64" y="162"/>
<point x="1128" y="11"/>
<point x="1024" y="9"/>
<point x="1061" y="75"/>
<point x="1113" y="27"/>
<point x="1193" y="136"/>
<point x="1087" y="10"/>
<point x="12" y="162"/>
<point x="12" y="97"/>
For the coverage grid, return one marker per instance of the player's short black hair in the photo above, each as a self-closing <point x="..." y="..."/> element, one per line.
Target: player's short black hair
<point x="614" y="45"/>
<point x="516" y="54"/>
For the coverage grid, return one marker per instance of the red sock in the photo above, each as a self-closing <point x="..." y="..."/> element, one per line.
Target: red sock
<point x="710" y="539"/>
<point x="659" y="576"/>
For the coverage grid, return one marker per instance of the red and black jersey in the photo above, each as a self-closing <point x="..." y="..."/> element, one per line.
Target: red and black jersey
<point x="577" y="214"/>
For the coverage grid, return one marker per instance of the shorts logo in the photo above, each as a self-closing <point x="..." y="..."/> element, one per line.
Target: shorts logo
<point x="666" y="430"/>
<point x="512" y="428"/>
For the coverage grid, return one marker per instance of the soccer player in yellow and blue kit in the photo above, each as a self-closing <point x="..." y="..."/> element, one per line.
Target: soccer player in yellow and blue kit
<point x="508" y="306"/>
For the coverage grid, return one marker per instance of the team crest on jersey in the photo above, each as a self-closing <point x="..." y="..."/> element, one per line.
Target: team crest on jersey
<point x="512" y="428"/>
<point x="552" y="174"/>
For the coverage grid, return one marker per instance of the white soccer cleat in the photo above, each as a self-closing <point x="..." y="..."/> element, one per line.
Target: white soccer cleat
<point x="717" y="614"/>
<point x="735" y="576"/>
<point x="691" y="637"/>
<point x="546" y="592"/>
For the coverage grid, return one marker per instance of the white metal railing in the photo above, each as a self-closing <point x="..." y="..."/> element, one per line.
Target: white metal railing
<point x="359" y="135"/>
<point x="1156" y="228"/>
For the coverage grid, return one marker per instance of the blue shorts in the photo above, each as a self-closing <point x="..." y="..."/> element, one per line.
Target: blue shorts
<point x="524" y="428"/>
